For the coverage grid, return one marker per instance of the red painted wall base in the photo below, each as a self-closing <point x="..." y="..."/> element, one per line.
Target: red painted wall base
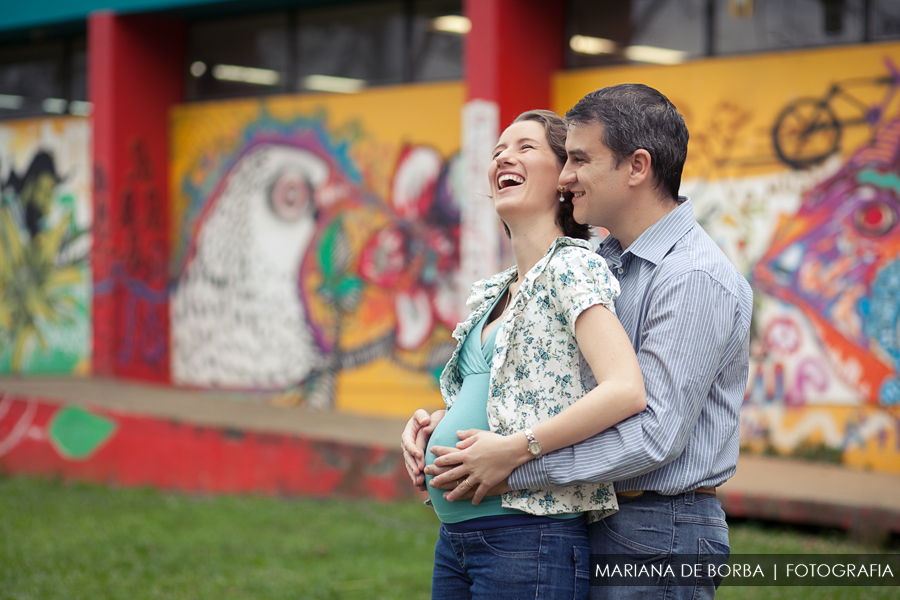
<point x="40" y="437"/>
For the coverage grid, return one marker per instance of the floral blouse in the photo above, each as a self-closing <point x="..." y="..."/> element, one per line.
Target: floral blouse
<point x="537" y="369"/>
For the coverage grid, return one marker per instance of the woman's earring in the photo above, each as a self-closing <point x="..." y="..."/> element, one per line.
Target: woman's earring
<point x="561" y="197"/>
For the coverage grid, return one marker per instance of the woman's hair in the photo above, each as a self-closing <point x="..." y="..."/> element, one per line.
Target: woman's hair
<point x="555" y="129"/>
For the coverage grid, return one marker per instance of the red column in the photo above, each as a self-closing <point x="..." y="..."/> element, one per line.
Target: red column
<point x="135" y="74"/>
<point x="513" y="49"/>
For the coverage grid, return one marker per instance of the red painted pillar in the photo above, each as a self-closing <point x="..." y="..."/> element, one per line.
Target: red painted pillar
<point x="511" y="53"/>
<point x="135" y="74"/>
<point x="513" y="49"/>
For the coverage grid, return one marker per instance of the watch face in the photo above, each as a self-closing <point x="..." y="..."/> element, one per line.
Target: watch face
<point x="534" y="448"/>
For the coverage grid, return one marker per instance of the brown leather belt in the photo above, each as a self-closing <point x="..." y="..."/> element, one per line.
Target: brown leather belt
<point x="638" y="493"/>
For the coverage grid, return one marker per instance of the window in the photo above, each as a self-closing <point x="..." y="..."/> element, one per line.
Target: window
<point x="438" y="32"/>
<point x="884" y="15"/>
<point x="622" y="31"/>
<point x="238" y="56"/>
<point x="43" y="78"/>
<point x="786" y="24"/>
<point x="670" y="31"/>
<point x="363" y="43"/>
<point x="332" y="49"/>
<point x="678" y="25"/>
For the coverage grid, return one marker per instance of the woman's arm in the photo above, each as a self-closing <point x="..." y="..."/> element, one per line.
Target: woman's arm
<point x="486" y="459"/>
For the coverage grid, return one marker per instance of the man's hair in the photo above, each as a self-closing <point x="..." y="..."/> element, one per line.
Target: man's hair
<point x="555" y="129"/>
<point x="635" y="116"/>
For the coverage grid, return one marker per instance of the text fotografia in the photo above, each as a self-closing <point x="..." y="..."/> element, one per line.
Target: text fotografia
<point x="745" y="570"/>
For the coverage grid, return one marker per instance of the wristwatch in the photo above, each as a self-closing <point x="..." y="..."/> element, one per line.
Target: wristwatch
<point x="534" y="446"/>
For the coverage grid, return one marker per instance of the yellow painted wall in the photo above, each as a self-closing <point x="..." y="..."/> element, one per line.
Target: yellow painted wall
<point x="730" y="103"/>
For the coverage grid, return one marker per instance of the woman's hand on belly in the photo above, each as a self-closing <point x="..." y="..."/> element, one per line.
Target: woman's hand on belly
<point x="413" y="441"/>
<point x="482" y="458"/>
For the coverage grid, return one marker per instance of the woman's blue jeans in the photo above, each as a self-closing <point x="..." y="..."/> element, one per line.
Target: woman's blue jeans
<point x="657" y="529"/>
<point x="548" y="561"/>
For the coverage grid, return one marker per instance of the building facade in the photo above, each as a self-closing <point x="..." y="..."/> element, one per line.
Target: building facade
<point x="290" y="198"/>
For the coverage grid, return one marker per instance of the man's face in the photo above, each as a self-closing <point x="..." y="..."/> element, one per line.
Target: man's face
<point x="590" y="174"/>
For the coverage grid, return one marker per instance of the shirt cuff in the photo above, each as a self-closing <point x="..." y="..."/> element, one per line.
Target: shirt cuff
<point x="530" y="475"/>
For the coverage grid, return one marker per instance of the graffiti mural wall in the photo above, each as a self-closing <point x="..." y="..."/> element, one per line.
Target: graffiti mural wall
<point x="316" y="246"/>
<point x="794" y="169"/>
<point x="45" y="241"/>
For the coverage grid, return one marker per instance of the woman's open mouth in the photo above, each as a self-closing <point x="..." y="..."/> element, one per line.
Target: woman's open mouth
<point x="509" y="180"/>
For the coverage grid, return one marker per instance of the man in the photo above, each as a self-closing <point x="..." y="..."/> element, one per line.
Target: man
<point x="687" y="311"/>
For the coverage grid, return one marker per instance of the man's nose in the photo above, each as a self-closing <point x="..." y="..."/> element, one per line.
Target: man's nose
<point x="567" y="176"/>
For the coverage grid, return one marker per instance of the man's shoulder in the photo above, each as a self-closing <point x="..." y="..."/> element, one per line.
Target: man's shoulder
<point x="696" y="252"/>
<point x="697" y="258"/>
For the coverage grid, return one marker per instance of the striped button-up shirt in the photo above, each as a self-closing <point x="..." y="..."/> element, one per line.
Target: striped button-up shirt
<point x="687" y="312"/>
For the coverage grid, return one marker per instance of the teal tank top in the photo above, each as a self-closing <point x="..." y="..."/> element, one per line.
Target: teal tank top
<point x="469" y="411"/>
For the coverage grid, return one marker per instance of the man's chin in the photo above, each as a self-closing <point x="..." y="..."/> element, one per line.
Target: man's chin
<point x="579" y="216"/>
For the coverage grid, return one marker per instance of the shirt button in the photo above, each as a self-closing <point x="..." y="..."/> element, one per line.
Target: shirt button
<point x="621" y="270"/>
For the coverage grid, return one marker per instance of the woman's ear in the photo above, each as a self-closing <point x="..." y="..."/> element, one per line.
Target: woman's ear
<point x="640" y="163"/>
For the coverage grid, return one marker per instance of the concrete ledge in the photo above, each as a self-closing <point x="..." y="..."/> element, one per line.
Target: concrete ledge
<point x="790" y="491"/>
<point x="244" y="410"/>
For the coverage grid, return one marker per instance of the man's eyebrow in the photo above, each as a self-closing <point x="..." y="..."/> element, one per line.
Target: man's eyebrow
<point x="576" y="152"/>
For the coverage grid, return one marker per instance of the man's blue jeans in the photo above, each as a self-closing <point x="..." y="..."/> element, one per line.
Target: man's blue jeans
<point x="548" y="561"/>
<point x="661" y="526"/>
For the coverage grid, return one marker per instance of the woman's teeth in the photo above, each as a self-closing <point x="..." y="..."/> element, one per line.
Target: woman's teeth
<point x="508" y="180"/>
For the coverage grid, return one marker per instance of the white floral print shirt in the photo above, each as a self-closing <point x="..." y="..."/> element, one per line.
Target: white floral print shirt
<point x="537" y="369"/>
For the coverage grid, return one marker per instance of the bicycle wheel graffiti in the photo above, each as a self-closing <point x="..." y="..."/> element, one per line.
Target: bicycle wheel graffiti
<point x="806" y="133"/>
<point x="809" y="130"/>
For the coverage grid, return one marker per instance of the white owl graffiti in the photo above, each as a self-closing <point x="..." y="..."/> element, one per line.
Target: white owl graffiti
<point x="237" y="320"/>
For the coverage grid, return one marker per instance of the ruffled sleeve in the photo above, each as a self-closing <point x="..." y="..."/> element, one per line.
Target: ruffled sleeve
<point x="578" y="279"/>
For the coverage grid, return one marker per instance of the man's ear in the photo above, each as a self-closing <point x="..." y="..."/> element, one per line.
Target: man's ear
<point x="639" y="162"/>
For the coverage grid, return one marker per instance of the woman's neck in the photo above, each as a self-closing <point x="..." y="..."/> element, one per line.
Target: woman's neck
<point x="530" y="244"/>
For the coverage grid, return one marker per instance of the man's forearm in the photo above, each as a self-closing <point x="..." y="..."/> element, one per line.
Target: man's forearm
<point x="590" y="461"/>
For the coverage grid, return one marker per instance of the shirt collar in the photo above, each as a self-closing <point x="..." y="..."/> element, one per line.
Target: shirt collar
<point x="488" y="289"/>
<point x="653" y="244"/>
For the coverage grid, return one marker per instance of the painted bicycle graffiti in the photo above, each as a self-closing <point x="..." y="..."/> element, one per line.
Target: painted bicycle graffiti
<point x="809" y="130"/>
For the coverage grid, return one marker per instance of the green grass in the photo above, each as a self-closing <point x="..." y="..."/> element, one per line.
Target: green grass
<point x="749" y="537"/>
<point x="72" y="541"/>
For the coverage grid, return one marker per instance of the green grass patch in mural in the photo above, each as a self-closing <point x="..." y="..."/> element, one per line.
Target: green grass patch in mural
<point x="74" y="541"/>
<point x="76" y="433"/>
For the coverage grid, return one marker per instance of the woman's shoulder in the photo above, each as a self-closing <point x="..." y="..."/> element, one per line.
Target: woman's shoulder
<point x="577" y="256"/>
